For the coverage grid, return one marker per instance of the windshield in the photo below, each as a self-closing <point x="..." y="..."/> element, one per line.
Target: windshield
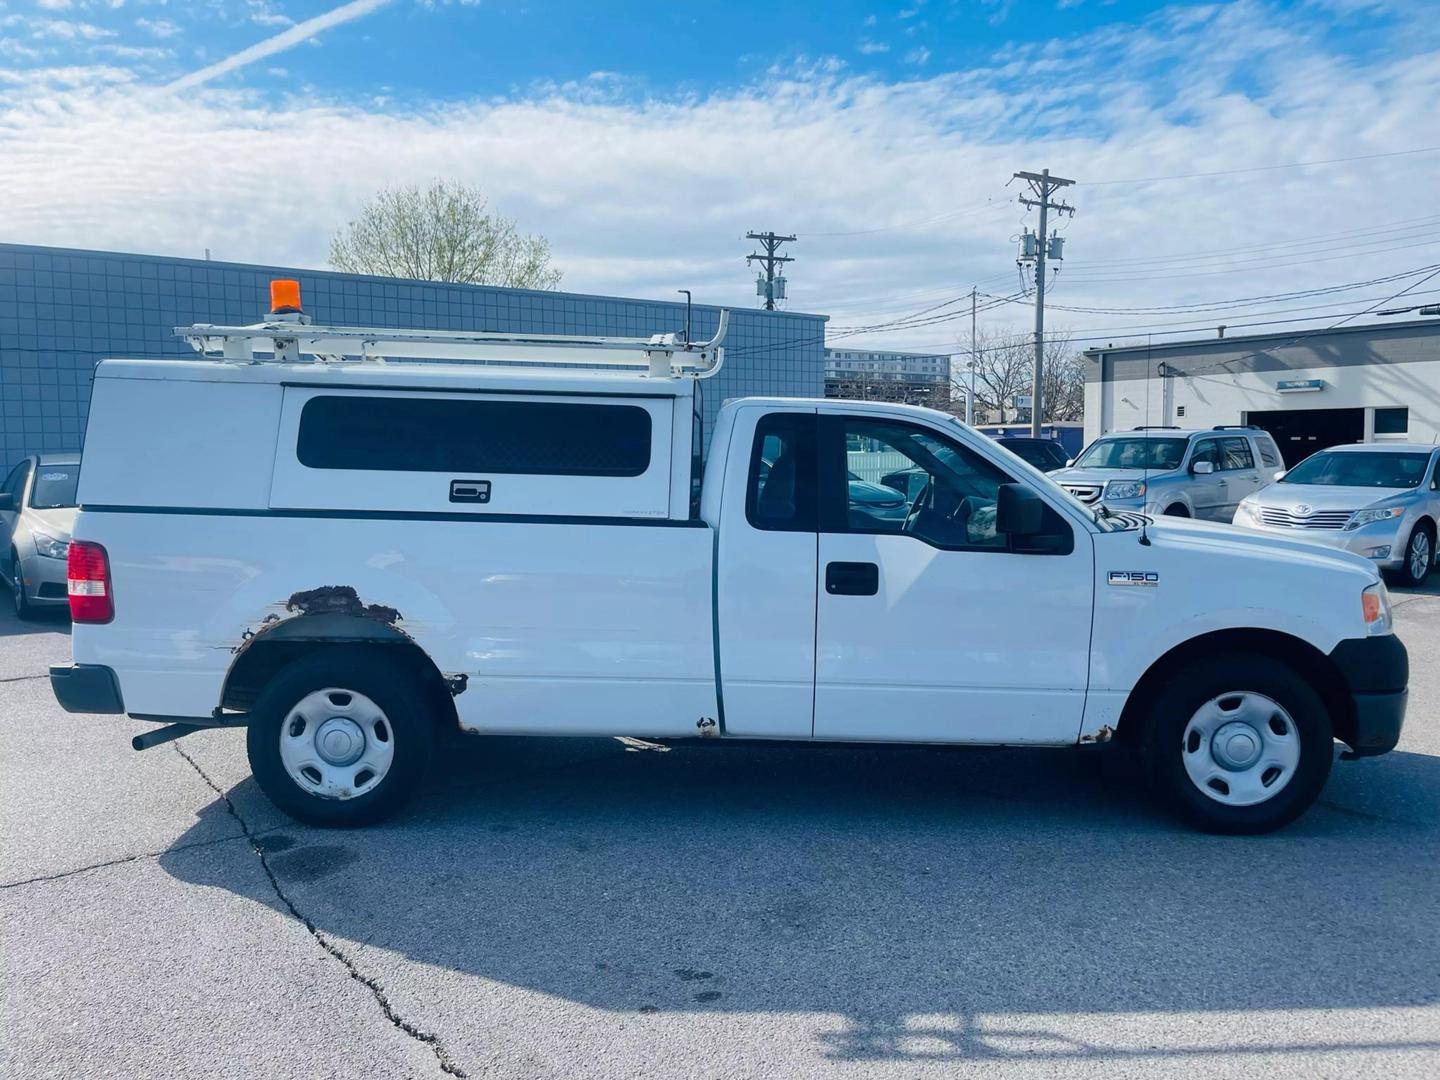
<point x="54" y="487"/>
<point x="1360" y="469"/>
<point x="1136" y="452"/>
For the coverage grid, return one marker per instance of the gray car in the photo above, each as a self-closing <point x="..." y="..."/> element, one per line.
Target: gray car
<point x="1378" y="500"/>
<point x="1199" y="473"/>
<point x="37" y="514"/>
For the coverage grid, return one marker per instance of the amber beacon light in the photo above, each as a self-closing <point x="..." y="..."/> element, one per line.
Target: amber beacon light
<point x="285" y="296"/>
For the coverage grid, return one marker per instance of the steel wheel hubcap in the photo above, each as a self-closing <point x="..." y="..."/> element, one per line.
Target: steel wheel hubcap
<point x="1241" y="748"/>
<point x="336" y="744"/>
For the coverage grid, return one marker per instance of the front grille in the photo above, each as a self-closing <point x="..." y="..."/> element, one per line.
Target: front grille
<point x="1086" y="493"/>
<point x="1320" y="519"/>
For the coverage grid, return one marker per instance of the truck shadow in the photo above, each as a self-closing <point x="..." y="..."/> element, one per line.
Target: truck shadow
<point x="911" y="892"/>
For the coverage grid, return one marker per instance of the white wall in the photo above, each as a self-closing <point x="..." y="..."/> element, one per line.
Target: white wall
<point x="1224" y="399"/>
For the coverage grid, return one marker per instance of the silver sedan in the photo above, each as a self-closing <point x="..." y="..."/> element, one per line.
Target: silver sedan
<point x="1378" y="500"/>
<point x="37" y="514"/>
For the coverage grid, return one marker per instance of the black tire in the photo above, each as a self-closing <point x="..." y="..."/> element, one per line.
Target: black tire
<point x="24" y="610"/>
<point x="1421" y="534"/>
<point x="1204" y="680"/>
<point x="362" y="670"/>
<point x="1178" y="510"/>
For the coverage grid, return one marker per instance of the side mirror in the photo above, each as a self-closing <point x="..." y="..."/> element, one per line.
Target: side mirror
<point x="1069" y="461"/>
<point x="7" y="501"/>
<point x="1280" y="473"/>
<point x="1203" y="468"/>
<point x="1018" y="510"/>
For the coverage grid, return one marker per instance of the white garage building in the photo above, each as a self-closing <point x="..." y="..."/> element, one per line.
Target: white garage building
<point x="1310" y="389"/>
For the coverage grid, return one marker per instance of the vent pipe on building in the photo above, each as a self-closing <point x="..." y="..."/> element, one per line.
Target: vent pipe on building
<point x="1220" y="330"/>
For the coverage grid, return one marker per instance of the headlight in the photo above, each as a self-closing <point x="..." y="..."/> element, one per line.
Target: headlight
<point x="1375" y="608"/>
<point x="1367" y="517"/>
<point x="1125" y="489"/>
<point x="1250" y="510"/>
<point x="50" y="547"/>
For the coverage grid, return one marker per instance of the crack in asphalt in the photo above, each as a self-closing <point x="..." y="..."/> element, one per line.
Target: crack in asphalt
<point x="123" y="859"/>
<point x="448" y="1065"/>
<point x="23" y="678"/>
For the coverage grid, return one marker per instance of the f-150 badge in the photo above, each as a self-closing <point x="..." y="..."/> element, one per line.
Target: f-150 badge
<point x="1144" y="578"/>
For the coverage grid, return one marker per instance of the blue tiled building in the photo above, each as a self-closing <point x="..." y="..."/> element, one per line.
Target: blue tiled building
<point x="62" y="311"/>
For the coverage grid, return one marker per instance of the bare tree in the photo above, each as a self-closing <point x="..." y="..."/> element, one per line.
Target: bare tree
<point x="1004" y="370"/>
<point x="445" y="232"/>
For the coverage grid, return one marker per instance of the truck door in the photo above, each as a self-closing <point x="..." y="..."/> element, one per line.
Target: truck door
<point x="765" y="585"/>
<point x="929" y="626"/>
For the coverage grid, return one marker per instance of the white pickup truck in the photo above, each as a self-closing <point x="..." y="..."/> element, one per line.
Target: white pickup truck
<point x="345" y="555"/>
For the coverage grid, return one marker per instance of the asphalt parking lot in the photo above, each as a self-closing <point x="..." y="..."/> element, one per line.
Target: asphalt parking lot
<point x="568" y="908"/>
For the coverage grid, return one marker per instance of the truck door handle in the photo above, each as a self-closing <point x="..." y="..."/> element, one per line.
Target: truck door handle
<point x="477" y="491"/>
<point x="852" y="578"/>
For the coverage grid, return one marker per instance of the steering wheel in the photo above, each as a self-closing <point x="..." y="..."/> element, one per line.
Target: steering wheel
<point x="913" y="515"/>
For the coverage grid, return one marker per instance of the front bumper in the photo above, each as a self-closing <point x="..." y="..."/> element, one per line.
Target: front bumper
<point x="1375" y="672"/>
<point x="44" y="580"/>
<point x="86" y="688"/>
<point x="1361" y="541"/>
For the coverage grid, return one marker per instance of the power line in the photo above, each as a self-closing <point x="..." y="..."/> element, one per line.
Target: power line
<point x="1264" y="168"/>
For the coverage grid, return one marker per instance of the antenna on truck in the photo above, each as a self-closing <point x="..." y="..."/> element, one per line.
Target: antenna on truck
<point x="287" y="334"/>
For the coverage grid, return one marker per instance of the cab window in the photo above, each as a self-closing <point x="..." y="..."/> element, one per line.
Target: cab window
<point x="780" y="494"/>
<point x="890" y="477"/>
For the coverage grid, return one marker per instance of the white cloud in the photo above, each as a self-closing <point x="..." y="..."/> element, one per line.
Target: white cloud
<point x="641" y="195"/>
<point x="160" y="28"/>
<point x="53" y="5"/>
<point x="918" y="56"/>
<point x="263" y="13"/>
<point x="869" y="48"/>
<point x="286" y="39"/>
<point x="60" y="30"/>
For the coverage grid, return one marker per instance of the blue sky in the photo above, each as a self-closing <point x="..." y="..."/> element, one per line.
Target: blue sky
<point x="644" y="139"/>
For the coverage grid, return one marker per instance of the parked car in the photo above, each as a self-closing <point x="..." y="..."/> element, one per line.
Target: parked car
<point x="1379" y="500"/>
<point x="1173" y="472"/>
<point x="1047" y="455"/>
<point x="415" y="547"/>
<point x="37" y="512"/>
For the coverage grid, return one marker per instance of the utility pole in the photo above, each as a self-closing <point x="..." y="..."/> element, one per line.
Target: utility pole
<point x="771" y="286"/>
<point x="970" y="393"/>
<point x="1043" y="185"/>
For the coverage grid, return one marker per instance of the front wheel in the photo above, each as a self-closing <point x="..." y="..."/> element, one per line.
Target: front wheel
<point x="1238" y="744"/>
<point x="24" y="610"/>
<point x="1419" y="557"/>
<point x="339" y="738"/>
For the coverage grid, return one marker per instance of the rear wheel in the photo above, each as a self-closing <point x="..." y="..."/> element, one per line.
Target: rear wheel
<point x="1178" y="510"/>
<point x="1238" y="743"/>
<point x="1419" y="557"/>
<point x="339" y="737"/>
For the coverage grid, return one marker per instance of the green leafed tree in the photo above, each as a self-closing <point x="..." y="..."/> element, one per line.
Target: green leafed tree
<point x="444" y="232"/>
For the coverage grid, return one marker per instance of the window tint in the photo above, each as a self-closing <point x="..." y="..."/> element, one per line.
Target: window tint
<point x="15" y="481"/>
<point x="1236" y="454"/>
<point x="1360" y="468"/>
<point x="54" y="486"/>
<point x="907" y="479"/>
<point x="1269" y="456"/>
<point x="1207" y="450"/>
<point x="452" y="435"/>
<point x="781" y="491"/>
<point x="1395" y="421"/>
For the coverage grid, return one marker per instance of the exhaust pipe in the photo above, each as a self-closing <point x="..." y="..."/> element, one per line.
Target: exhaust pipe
<point x="160" y="736"/>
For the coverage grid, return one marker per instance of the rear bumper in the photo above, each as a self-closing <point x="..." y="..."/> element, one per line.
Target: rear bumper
<point x="86" y="688"/>
<point x="1375" y="671"/>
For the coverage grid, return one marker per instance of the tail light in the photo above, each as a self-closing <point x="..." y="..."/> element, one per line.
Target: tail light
<point x="88" y="570"/>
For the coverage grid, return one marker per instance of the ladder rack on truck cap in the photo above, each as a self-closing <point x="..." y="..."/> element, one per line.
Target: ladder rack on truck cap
<point x="287" y="334"/>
